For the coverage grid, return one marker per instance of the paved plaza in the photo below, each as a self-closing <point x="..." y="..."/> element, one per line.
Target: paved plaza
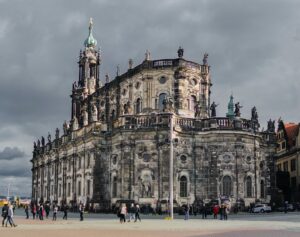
<point x="273" y="224"/>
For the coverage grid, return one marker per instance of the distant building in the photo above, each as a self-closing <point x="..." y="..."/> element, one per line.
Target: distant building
<point x="118" y="142"/>
<point x="288" y="159"/>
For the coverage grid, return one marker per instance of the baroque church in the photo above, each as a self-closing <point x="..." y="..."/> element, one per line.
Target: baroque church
<point x="154" y="125"/>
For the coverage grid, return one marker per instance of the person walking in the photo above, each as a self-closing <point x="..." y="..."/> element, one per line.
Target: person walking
<point x="221" y="211"/>
<point x="186" y="212"/>
<point x="41" y="212"/>
<point x="123" y="212"/>
<point x="225" y="212"/>
<point x="66" y="208"/>
<point x="137" y="213"/>
<point x="81" y="209"/>
<point x="47" y="209"/>
<point x="4" y="213"/>
<point x="10" y="216"/>
<point x="55" y="210"/>
<point x="131" y="212"/>
<point x="204" y="212"/>
<point x="27" y="211"/>
<point x="216" y="211"/>
<point x="33" y="211"/>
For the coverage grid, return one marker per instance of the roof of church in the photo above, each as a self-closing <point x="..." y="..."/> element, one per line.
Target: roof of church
<point x="292" y="131"/>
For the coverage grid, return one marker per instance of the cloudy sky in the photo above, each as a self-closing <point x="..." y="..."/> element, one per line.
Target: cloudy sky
<point x="253" y="46"/>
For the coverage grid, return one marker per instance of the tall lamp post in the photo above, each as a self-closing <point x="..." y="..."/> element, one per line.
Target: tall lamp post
<point x="255" y="127"/>
<point x="171" y="181"/>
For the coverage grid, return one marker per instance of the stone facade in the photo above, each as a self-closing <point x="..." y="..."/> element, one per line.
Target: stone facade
<point x="117" y="144"/>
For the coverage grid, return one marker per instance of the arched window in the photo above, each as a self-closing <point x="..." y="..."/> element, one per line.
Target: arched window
<point x="113" y="114"/>
<point x="114" y="187"/>
<point x="183" y="186"/>
<point x="138" y="106"/>
<point x="262" y="189"/>
<point x="227" y="186"/>
<point x="249" y="186"/>
<point x="193" y="102"/>
<point x="161" y="99"/>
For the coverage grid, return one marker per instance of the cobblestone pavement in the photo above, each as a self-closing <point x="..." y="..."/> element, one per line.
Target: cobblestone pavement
<point x="273" y="225"/>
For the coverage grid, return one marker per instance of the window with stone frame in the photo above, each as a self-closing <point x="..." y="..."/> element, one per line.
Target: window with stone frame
<point x="138" y="106"/>
<point x="183" y="186"/>
<point x="293" y="164"/>
<point x="161" y="99"/>
<point x="286" y="166"/>
<point x="262" y="189"/>
<point x="114" y="187"/>
<point x="249" y="186"/>
<point x="193" y="101"/>
<point x="69" y="189"/>
<point x="79" y="188"/>
<point x="88" y="187"/>
<point x="227" y="186"/>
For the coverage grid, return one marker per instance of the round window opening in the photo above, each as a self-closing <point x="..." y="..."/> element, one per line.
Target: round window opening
<point x="162" y="80"/>
<point x="102" y="103"/>
<point x="146" y="157"/>
<point x="248" y="159"/>
<point x="183" y="159"/>
<point x="227" y="158"/>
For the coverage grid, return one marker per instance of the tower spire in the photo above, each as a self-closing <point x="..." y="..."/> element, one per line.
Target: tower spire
<point x="90" y="41"/>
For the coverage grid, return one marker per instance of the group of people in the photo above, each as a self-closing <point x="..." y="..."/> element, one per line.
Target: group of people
<point x="7" y="215"/>
<point x="222" y="210"/>
<point x="39" y="211"/>
<point x="133" y="212"/>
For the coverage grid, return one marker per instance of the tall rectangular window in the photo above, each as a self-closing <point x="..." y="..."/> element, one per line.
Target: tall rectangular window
<point x="79" y="188"/>
<point x="293" y="164"/>
<point x="88" y="187"/>
<point x="286" y="166"/>
<point x="69" y="189"/>
<point x="59" y="190"/>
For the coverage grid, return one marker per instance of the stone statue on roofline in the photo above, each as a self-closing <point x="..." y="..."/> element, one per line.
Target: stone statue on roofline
<point x="213" y="109"/>
<point x="237" y="111"/>
<point x="205" y="57"/>
<point x="271" y="126"/>
<point x="254" y="115"/>
<point x="180" y="52"/>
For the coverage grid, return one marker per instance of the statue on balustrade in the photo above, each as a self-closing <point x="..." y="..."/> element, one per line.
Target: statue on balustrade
<point x="65" y="127"/>
<point x="271" y="126"/>
<point x="205" y="57"/>
<point x="237" y="111"/>
<point x="213" y="109"/>
<point x="254" y="115"/>
<point x="180" y="52"/>
<point x="43" y="141"/>
<point x="197" y="109"/>
<point x="94" y="113"/>
<point x="49" y="137"/>
<point x="57" y="133"/>
<point x="167" y="105"/>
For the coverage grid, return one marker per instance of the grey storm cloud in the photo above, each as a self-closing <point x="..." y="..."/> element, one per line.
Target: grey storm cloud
<point x="253" y="49"/>
<point x="10" y="153"/>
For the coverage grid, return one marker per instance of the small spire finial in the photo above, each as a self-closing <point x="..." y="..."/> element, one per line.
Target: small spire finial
<point x="90" y="41"/>
<point x="147" y="55"/>
<point x="130" y="63"/>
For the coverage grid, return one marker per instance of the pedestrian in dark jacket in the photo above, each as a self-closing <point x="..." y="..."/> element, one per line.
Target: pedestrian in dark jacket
<point x="221" y="211"/>
<point x="27" y="211"/>
<point x="66" y="208"/>
<point x="137" y="212"/>
<point x="81" y="209"/>
<point x="131" y="212"/>
<point x="204" y="212"/>
<point x="4" y="213"/>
